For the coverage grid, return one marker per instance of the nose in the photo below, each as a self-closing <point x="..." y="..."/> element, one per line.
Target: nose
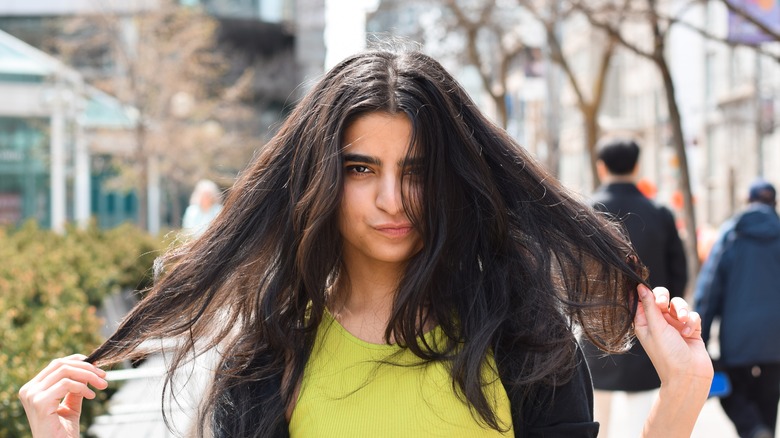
<point x="388" y="196"/>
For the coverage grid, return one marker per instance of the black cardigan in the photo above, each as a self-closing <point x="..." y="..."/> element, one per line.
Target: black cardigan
<point x="554" y="412"/>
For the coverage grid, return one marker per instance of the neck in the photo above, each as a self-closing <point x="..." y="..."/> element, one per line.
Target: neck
<point x="363" y="295"/>
<point x="613" y="179"/>
<point x="363" y="299"/>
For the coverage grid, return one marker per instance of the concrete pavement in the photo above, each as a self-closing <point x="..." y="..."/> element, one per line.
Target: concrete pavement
<point x="713" y="422"/>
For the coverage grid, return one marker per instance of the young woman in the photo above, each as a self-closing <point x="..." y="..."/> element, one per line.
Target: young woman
<point x="393" y="264"/>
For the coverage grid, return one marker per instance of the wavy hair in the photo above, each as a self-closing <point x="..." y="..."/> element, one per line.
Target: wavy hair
<point x="512" y="263"/>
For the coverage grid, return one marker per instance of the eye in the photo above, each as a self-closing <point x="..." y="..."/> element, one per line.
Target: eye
<point x="357" y="168"/>
<point x="413" y="170"/>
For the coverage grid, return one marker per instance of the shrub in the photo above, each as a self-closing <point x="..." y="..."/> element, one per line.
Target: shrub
<point x="50" y="288"/>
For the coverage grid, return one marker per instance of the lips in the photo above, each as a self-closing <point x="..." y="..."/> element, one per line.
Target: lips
<point x="395" y="230"/>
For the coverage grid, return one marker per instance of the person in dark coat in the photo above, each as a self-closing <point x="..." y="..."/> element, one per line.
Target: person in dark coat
<point x="738" y="285"/>
<point x="651" y="229"/>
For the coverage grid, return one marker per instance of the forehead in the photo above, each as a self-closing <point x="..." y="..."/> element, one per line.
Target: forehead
<point x="378" y="132"/>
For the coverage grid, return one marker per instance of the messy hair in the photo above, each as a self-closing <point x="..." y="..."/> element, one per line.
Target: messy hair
<point x="512" y="264"/>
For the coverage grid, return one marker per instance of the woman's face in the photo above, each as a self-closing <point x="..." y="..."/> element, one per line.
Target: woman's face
<point x="372" y="220"/>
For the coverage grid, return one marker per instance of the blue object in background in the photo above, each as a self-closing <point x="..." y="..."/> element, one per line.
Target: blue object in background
<point x="721" y="386"/>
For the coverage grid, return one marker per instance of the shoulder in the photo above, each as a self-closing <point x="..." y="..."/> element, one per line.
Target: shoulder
<point x="557" y="410"/>
<point x="663" y="211"/>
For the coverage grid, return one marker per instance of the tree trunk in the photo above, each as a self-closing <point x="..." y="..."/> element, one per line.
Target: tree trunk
<point x="175" y="206"/>
<point x="499" y="101"/>
<point x="590" y="116"/>
<point x="684" y="181"/>
<point x="143" y="175"/>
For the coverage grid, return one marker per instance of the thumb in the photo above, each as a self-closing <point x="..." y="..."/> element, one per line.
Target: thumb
<point x="71" y="404"/>
<point x="649" y="315"/>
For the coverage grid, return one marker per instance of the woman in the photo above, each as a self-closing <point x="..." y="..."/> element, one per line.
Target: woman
<point x="205" y="205"/>
<point x="393" y="260"/>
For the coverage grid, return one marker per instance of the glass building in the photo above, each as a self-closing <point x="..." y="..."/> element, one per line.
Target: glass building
<point x="51" y="125"/>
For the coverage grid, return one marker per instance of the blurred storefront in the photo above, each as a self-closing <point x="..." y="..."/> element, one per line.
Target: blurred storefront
<point x="281" y="40"/>
<point x="52" y="129"/>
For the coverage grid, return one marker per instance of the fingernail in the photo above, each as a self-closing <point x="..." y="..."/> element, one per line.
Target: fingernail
<point x="643" y="290"/>
<point x="681" y="313"/>
<point x="687" y="331"/>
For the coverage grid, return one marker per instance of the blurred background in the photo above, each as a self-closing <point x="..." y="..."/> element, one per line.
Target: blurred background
<point x="112" y="110"/>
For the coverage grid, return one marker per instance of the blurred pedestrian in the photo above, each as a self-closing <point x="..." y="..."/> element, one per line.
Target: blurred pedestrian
<point x="205" y="205"/>
<point x="652" y="231"/>
<point x="739" y="285"/>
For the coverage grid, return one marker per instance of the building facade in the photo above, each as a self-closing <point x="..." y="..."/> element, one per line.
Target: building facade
<point x="50" y="119"/>
<point x="282" y="45"/>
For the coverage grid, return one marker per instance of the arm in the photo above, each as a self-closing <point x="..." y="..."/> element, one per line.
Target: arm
<point x="708" y="295"/>
<point x="671" y="335"/>
<point x="52" y="399"/>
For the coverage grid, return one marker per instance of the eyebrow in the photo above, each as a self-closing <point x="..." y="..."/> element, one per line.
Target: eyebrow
<point x="358" y="158"/>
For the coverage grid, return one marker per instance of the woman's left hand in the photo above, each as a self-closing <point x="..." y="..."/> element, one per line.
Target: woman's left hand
<point x="671" y="335"/>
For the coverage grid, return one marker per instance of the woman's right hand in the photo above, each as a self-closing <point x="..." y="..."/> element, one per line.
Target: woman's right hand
<point x="52" y="399"/>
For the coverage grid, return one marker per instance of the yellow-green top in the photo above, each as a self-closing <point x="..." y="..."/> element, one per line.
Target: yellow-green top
<point x="352" y="388"/>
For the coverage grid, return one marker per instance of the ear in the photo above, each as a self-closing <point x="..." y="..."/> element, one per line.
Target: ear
<point x="635" y="171"/>
<point x="601" y="170"/>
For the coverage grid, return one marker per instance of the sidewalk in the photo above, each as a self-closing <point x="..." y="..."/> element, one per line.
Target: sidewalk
<point x="136" y="408"/>
<point x="713" y="422"/>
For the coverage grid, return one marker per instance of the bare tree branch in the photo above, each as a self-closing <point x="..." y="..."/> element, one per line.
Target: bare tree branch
<point x="173" y="56"/>
<point x="588" y="106"/>
<point x="704" y="33"/>
<point x="658" y="56"/>
<point x="493" y="69"/>
<point x="613" y="31"/>
<point x="752" y="19"/>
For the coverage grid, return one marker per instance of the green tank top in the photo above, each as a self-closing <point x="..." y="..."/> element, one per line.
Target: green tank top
<point x="352" y="388"/>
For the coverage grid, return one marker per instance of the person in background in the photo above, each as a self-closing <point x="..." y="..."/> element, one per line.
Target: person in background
<point x="205" y="205"/>
<point x="651" y="229"/>
<point x="739" y="285"/>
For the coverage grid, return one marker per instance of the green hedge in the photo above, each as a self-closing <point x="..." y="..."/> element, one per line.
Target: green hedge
<point x="50" y="288"/>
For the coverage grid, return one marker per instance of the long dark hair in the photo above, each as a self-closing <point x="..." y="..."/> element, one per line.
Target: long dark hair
<point x="511" y="265"/>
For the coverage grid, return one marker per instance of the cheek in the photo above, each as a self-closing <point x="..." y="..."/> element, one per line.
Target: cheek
<point x="347" y="199"/>
<point x="343" y="218"/>
<point x="348" y="209"/>
<point x="413" y="197"/>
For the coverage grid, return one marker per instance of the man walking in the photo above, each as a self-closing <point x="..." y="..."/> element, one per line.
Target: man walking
<point x="653" y="233"/>
<point x="739" y="285"/>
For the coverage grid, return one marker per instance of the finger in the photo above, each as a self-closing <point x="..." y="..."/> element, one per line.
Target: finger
<point x="71" y="404"/>
<point x="61" y="389"/>
<point x="693" y="326"/>
<point x="74" y="372"/>
<point x="76" y="360"/>
<point x="679" y="309"/>
<point x="662" y="296"/>
<point x="44" y="403"/>
<point x="651" y="315"/>
<point x="56" y="363"/>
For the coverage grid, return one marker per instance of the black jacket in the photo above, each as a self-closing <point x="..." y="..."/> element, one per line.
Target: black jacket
<point x="564" y="411"/>
<point x="653" y="234"/>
